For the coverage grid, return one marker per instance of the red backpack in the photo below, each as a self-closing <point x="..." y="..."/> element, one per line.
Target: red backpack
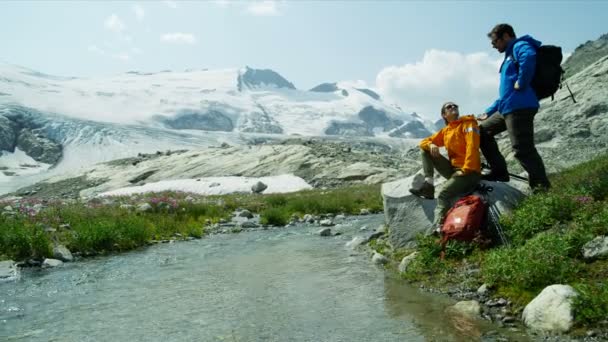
<point x="463" y="222"/>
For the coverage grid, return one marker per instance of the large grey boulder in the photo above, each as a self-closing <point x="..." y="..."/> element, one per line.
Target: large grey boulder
<point x="551" y="310"/>
<point x="406" y="261"/>
<point x="596" y="248"/>
<point x="8" y="271"/>
<point x="60" y="252"/>
<point x="407" y="215"/>
<point x="258" y="187"/>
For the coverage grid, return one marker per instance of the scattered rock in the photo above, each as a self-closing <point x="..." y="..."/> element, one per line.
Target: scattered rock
<point x="364" y="212"/>
<point x="60" y="252"/>
<point x="126" y="206"/>
<point x="496" y="302"/>
<point x="356" y="242"/>
<point x="189" y="199"/>
<point x="249" y="224"/>
<point x="405" y="262"/>
<point x="469" y="308"/>
<point x="379" y="259"/>
<point x="551" y="310"/>
<point x="258" y="187"/>
<point x="212" y="185"/>
<point x="596" y="248"/>
<point x="324" y="232"/>
<point x="308" y="218"/>
<point x="326" y="223"/>
<point x="8" y="271"/>
<point x="8" y="208"/>
<point x="50" y="263"/>
<point x="245" y="213"/>
<point x="483" y="290"/>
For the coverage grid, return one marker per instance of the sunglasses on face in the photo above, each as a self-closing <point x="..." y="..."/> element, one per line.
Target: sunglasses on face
<point x="495" y="40"/>
<point x="451" y="106"/>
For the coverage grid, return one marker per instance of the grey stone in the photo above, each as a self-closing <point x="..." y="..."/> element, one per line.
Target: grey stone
<point x="379" y="259"/>
<point x="596" y="248"/>
<point x="60" y="252"/>
<point x="245" y="213"/>
<point x="551" y="310"/>
<point x="8" y="271"/>
<point x="324" y="232"/>
<point x="326" y="223"/>
<point x="407" y="215"/>
<point x="470" y="308"/>
<point x="356" y="242"/>
<point x="406" y="261"/>
<point x="483" y="289"/>
<point x="50" y="263"/>
<point x="308" y="218"/>
<point x="8" y="208"/>
<point x="258" y="187"/>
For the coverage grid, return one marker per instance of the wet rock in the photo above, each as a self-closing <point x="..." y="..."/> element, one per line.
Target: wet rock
<point x="50" y="263"/>
<point x="551" y="310"/>
<point x="406" y="261"/>
<point x="596" y="248"/>
<point x="60" y="252"/>
<point x="356" y="242"/>
<point x="324" y="232"/>
<point x="309" y="218"/>
<point x="244" y="213"/>
<point x="326" y="223"/>
<point x="212" y="185"/>
<point x="379" y="259"/>
<point x="258" y="187"/>
<point x="8" y="271"/>
<point x="364" y="212"/>
<point x="249" y="225"/>
<point x="469" y="308"/>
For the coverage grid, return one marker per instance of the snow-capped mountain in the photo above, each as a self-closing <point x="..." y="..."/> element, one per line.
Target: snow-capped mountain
<point x="230" y="100"/>
<point x="49" y="124"/>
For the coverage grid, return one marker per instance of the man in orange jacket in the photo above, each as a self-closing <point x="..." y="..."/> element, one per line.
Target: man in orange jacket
<point x="460" y="137"/>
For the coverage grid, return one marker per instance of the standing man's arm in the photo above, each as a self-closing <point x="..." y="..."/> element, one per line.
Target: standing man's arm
<point x="525" y="56"/>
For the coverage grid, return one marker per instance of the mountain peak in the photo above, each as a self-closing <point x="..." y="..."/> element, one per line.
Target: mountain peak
<point x="255" y="78"/>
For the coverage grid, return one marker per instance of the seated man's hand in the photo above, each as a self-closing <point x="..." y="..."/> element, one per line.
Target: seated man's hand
<point x="482" y="117"/>
<point x="516" y="86"/>
<point x="434" y="150"/>
<point x="458" y="174"/>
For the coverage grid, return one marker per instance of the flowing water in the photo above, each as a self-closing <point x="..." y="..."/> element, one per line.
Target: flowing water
<point x="283" y="284"/>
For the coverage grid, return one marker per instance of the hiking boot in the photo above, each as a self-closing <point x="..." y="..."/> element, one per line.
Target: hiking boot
<point x="426" y="190"/>
<point x="495" y="177"/>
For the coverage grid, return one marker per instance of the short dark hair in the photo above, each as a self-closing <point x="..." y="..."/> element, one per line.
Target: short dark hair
<point x="500" y="29"/>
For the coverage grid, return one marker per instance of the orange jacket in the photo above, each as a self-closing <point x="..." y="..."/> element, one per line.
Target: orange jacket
<point x="461" y="139"/>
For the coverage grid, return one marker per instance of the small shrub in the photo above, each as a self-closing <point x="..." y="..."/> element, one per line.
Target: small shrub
<point x="458" y="249"/>
<point x="274" y="216"/>
<point x="591" y="305"/>
<point x="536" y="214"/>
<point x="542" y="261"/>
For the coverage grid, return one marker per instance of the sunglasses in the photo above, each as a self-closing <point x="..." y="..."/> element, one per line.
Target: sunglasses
<point x="451" y="106"/>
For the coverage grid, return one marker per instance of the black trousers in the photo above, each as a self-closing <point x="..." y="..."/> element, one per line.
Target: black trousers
<point x="520" y="126"/>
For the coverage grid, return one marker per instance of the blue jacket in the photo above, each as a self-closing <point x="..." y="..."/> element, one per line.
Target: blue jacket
<point x="519" y="65"/>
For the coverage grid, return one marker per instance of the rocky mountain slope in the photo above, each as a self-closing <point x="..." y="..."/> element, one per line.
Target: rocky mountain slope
<point x="585" y="55"/>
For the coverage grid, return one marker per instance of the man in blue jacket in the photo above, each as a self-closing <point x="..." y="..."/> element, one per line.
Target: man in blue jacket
<point x="514" y="110"/>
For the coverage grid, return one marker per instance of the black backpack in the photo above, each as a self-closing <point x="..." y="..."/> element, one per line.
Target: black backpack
<point x="548" y="75"/>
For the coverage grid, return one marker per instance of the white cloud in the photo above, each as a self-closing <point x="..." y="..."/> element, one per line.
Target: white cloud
<point x="170" y="3"/>
<point x="178" y="38"/>
<point x="139" y="12"/>
<point x="469" y="80"/>
<point x="121" y="56"/>
<point x="95" y="49"/>
<point x="264" y="8"/>
<point x="114" y="24"/>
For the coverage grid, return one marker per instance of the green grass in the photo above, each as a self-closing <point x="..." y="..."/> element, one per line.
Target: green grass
<point x="102" y="226"/>
<point x="547" y="232"/>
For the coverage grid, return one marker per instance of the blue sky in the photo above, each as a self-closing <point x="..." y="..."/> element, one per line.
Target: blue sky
<point x="308" y="42"/>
